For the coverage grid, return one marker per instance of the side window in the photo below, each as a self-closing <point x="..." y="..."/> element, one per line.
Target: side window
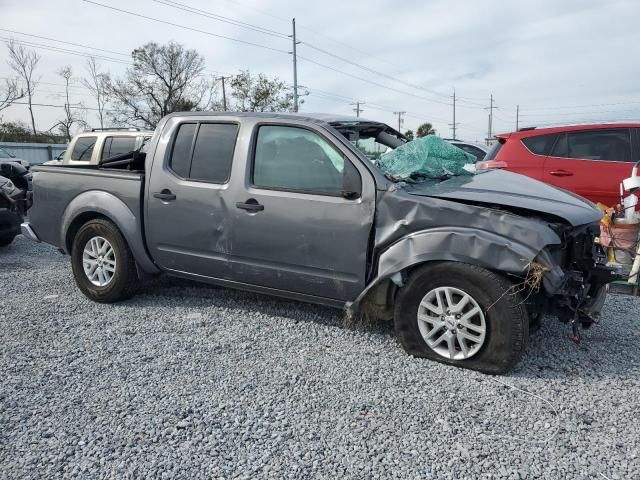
<point x="475" y="151"/>
<point x="117" y="146"/>
<point x="213" y="152"/>
<point x="561" y="148"/>
<point x="83" y="148"/>
<point x="181" y="152"/>
<point x="540" y="144"/>
<point x="612" y="145"/>
<point x="291" y="158"/>
<point x="209" y="157"/>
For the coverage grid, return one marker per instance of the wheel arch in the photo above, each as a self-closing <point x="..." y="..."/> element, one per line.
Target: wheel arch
<point x="99" y="204"/>
<point x="457" y="244"/>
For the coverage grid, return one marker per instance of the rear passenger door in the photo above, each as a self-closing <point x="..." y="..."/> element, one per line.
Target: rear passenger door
<point x="591" y="163"/>
<point x="187" y="223"/>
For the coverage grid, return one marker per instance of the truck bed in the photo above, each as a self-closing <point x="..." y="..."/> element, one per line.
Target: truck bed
<point x="60" y="188"/>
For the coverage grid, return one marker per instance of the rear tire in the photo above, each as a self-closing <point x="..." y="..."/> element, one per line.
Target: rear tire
<point x="6" y="241"/>
<point x="492" y="324"/>
<point x="100" y="247"/>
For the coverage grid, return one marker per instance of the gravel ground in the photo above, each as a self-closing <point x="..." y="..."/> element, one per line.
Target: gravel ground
<point x="191" y="381"/>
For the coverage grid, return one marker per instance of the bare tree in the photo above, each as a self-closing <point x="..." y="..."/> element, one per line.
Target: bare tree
<point x="24" y="63"/>
<point x="97" y="84"/>
<point x="10" y="93"/>
<point x="259" y="93"/>
<point x="71" y="114"/>
<point x="162" y="80"/>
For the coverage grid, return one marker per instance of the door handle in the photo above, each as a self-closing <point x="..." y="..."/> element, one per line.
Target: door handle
<point x="250" y="205"/>
<point x="561" y="173"/>
<point x="165" y="195"/>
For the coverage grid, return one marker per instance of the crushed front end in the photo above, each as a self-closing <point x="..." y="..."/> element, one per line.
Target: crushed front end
<point x="575" y="278"/>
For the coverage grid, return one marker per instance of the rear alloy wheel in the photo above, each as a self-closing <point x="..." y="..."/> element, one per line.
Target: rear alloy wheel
<point x="463" y="315"/>
<point x="103" y="266"/>
<point x="99" y="261"/>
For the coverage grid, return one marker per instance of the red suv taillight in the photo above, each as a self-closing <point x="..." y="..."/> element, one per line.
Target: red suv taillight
<point x="488" y="164"/>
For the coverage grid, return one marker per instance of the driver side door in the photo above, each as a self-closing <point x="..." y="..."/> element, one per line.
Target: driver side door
<point x="303" y="218"/>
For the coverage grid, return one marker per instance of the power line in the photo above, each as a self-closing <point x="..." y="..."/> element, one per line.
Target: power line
<point x="221" y="18"/>
<point x="82" y="107"/>
<point x="61" y="41"/>
<point x="372" y="82"/>
<point x="385" y="75"/>
<point x="185" y="27"/>
<point x="370" y="70"/>
<point x="62" y="50"/>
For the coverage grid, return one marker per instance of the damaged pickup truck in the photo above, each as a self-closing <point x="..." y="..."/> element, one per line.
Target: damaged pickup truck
<point x="289" y="205"/>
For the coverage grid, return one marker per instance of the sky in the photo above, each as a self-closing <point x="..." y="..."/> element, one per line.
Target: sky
<point x="570" y="61"/>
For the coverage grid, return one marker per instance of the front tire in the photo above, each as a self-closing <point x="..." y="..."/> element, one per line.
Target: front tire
<point x="102" y="263"/>
<point x="462" y="315"/>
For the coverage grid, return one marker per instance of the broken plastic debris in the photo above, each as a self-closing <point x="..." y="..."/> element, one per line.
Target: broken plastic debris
<point x="429" y="156"/>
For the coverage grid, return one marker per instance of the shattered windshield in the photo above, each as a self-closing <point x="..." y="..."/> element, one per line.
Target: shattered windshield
<point x="413" y="161"/>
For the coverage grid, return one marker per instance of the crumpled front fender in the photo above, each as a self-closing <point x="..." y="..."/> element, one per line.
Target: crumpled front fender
<point x="458" y="244"/>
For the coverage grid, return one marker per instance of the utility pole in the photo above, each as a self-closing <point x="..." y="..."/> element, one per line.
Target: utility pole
<point x="357" y="109"/>
<point x="399" y="120"/>
<point x="490" y="129"/>
<point x="295" y="67"/>
<point x="517" y="116"/>
<point x="454" y="124"/>
<point x="224" y="93"/>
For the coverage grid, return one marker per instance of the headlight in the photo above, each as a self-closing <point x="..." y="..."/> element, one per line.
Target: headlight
<point x="8" y="187"/>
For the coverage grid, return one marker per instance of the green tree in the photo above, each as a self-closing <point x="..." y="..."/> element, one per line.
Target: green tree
<point x="409" y="134"/>
<point x="259" y="93"/>
<point x="425" y="129"/>
<point x="162" y="80"/>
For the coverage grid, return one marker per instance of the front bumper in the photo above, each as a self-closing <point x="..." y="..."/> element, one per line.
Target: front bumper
<point x="28" y="232"/>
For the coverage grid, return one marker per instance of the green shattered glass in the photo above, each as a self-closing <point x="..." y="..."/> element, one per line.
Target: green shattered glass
<point x="430" y="157"/>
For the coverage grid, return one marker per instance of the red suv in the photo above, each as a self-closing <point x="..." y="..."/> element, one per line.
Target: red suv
<point x="590" y="160"/>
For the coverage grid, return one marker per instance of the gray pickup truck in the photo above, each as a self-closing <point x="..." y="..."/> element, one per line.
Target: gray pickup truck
<point x="288" y="205"/>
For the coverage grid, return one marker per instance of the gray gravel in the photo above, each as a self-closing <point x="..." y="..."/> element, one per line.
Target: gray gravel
<point x="191" y="381"/>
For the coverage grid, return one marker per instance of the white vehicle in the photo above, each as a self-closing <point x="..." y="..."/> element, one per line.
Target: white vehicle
<point x="478" y="150"/>
<point x="89" y="148"/>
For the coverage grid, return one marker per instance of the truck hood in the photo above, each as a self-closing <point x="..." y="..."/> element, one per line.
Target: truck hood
<point x="498" y="187"/>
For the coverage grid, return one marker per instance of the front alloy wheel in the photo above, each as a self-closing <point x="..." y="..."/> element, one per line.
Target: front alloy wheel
<point x="463" y="315"/>
<point x="451" y="323"/>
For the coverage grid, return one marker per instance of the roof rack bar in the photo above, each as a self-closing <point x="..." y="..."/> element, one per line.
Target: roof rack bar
<point x="128" y="129"/>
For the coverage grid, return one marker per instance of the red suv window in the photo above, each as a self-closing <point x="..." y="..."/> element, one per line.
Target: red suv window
<point x="612" y="145"/>
<point x="540" y="144"/>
